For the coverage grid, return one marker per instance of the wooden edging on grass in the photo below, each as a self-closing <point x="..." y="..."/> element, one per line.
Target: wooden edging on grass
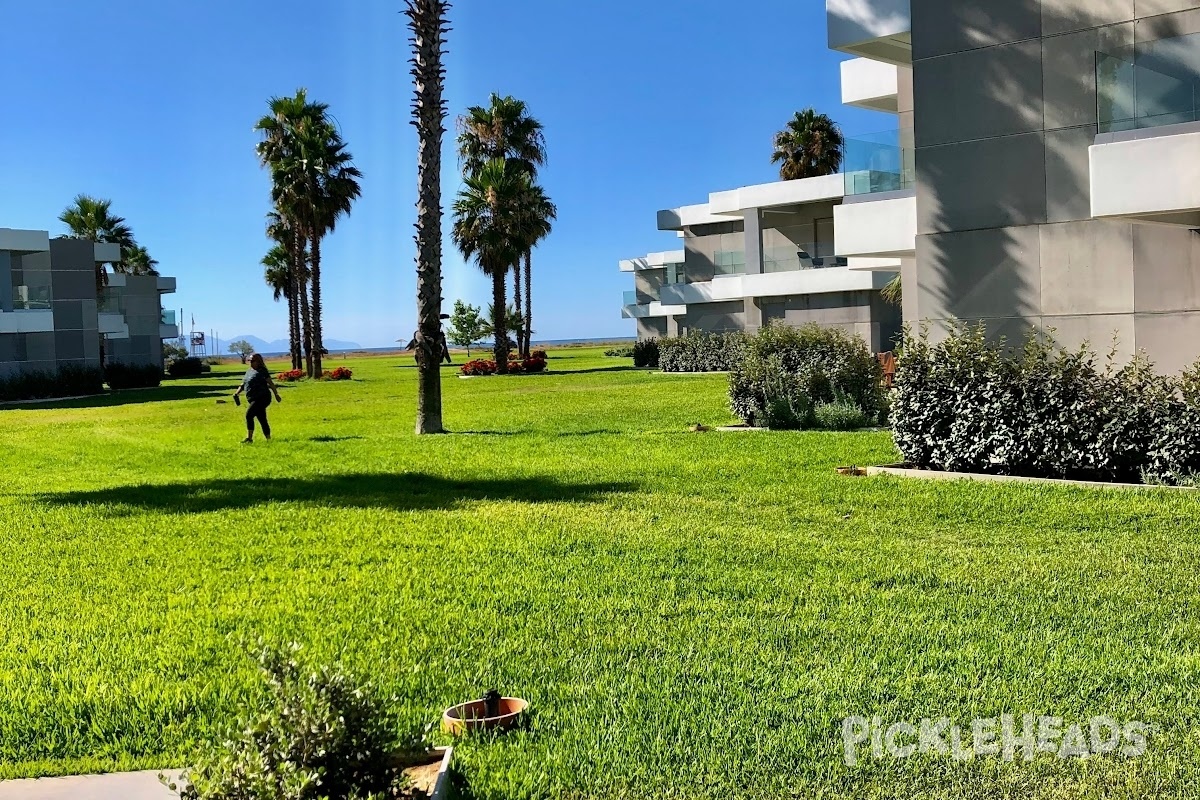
<point x="907" y="471"/>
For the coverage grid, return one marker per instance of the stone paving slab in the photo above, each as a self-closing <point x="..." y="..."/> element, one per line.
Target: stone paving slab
<point x="116" y="786"/>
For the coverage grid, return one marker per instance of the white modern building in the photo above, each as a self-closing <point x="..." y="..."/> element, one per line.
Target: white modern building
<point x="1042" y="173"/>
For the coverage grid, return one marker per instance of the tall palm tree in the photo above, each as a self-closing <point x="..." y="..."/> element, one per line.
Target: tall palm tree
<point x="428" y="25"/>
<point x="277" y="272"/>
<point x="810" y="146"/>
<point x="92" y="219"/>
<point x="334" y="183"/>
<point x="537" y="215"/>
<point x="287" y="236"/>
<point x="486" y="228"/>
<point x="503" y="129"/>
<point x="137" y="261"/>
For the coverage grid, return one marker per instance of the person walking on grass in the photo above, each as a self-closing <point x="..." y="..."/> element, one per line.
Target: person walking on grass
<point x="258" y="386"/>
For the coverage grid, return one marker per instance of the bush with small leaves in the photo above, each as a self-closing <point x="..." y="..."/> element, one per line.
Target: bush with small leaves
<point x="317" y="735"/>
<point x="127" y="376"/>
<point x="701" y="352"/>
<point x="186" y="368"/>
<point x="840" y="415"/>
<point x="67" y="381"/>
<point x="645" y="354"/>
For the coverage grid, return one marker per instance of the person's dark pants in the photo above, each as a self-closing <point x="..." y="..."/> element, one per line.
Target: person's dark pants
<point x="257" y="410"/>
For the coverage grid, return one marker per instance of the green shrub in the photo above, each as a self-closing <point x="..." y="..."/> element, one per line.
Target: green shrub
<point x="840" y="415"/>
<point x="68" y="381"/>
<point x="186" y="368"/>
<point x="701" y="352"/>
<point x="970" y="405"/>
<point x="620" y="352"/>
<point x="317" y="736"/>
<point x="645" y="353"/>
<point x="126" y="376"/>
<point x="782" y="363"/>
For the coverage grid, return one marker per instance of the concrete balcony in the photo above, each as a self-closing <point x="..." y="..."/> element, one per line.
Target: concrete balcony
<point x="883" y="228"/>
<point x="26" y="321"/>
<point x="19" y="241"/>
<point x="108" y="253"/>
<point x="653" y="261"/>
<point x="168" y="331"/>
<point x="875" y="29"/>
<point x="1149" y="175"/>
<point x="873" y="85"/>
<point x="113" y="325"/>
<point x="650" y="310"/>
<point x="775" y="284"/>
<point x="166" y="285"/>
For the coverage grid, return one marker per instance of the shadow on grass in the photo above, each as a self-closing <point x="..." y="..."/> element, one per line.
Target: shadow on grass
<point x="595" y="370"/>
<point x="171" y="391"/>
<point x="404" y="491"/>
<point x="331" y="439"/>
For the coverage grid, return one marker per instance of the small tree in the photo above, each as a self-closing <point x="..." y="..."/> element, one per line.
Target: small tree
<point x="467" y="326"/>
<point x="242" y="349"/>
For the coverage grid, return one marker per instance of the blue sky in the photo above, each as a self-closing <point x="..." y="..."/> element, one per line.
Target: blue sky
<point x="648" y="104"/>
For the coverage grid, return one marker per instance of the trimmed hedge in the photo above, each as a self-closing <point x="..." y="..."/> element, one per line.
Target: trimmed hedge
<point x="970" y="405"/>
<point x="701" y="352"/>
<point x="619" y="352"/>
<point x="68" y="381"/>
<point x="645" y="354"/>
<point x="126" y="376"/>
<point x="186" y="368"/>
<point x="786" y="372"/>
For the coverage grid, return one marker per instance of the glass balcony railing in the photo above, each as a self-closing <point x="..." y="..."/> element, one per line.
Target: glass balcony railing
<point x="1158" y="84"/>
<point x="629" y="299"/>
<point x="729" y="262"/>
<point x="31" y="298"/>
<point x="168" y="317"/>
<point x="800" y="257"/>
<point x="109" y="302"/>
<point x="880" y="162"/>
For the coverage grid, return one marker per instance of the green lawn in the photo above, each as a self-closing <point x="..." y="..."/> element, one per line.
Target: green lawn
<point x="690" y="614"/>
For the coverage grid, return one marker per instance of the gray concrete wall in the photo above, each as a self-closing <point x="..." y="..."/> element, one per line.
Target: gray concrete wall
<point x="140" y="303"/>
<point x="652" y="328"/>
<point x="714" y="317"/>
<point x="701" y="243"/>
<point x="1005" y="97"/>
<point x="647" y="283"/>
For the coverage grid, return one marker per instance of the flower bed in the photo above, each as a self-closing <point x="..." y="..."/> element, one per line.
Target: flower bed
<point x="339" y="374"/>
<point x="291" y="376"/>
<point x="483" y="366"/>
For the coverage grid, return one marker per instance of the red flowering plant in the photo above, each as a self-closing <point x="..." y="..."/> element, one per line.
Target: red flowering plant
<point x="291" y="376"/>
<point x="540" y="354"/>
<point x="339" y="374"/>
<point x="480" y="366"/>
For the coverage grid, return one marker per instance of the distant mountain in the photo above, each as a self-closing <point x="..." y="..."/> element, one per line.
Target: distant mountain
<point x="281" y="345"/>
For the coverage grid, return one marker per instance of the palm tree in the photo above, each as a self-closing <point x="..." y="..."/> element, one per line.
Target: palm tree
<point x="137" y="261"/>
<point x="277" y="264"/>
<point x="288" y="237"/>
<point x="427" y="22"/>
<point x="486" y="228"/>
<point x="810" y="146"/>
<point x="536" y="222"/>
<point x="893" y="292"/>
<point x="503" y="130"/>
<point x="92" y="220"/>
<point x="335" y="187"/>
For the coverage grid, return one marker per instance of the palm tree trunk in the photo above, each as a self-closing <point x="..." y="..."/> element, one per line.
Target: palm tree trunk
<point x="297" y="287"/>
<point x="520" y="331"/>
<point x="427" y="22"/>
<point x="305" y="315"/>
<point x="318" y="339"/>
<point x="293" y="324"/>
<point x="499" y="321"/>
<point x="528" y="302"/>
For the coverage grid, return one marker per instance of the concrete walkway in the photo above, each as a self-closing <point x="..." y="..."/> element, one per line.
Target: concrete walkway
<point x="117" y="786"/>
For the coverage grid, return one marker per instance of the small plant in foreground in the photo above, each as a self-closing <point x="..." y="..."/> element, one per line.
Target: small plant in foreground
<point x="291" y="376"/>
<point x="339" y="374"/>
<point x="318" y="735"/>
